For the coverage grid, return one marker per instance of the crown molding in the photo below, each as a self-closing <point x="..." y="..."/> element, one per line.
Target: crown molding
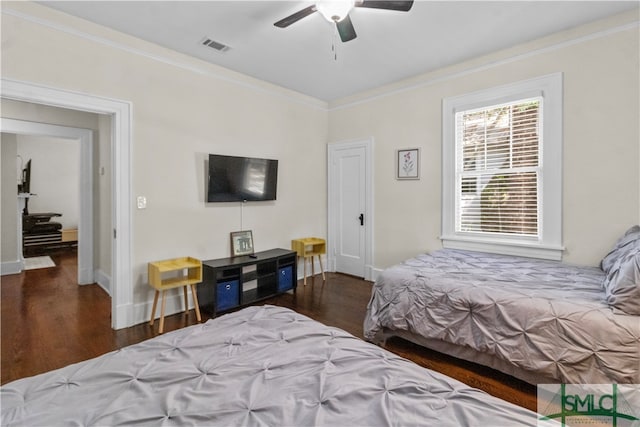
<point x="391" y="89"/>
<point x="189" y="64"/>
<point x="412" y="84"/>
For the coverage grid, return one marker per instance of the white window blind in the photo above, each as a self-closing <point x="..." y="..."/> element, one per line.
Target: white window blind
<point x="498" y="169"/>
<point x="502" y="169"/>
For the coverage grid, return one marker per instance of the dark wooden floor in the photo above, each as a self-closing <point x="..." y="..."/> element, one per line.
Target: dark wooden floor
<point x="49" y="322"/>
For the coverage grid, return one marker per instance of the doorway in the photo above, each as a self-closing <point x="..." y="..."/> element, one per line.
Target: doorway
<point x="85" y="178"/>
<point x="121" y="284"/>
<point x="350" y="205"/>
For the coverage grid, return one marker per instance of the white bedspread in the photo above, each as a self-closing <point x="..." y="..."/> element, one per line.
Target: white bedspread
<point x="541" y="316"/>
<point x="259" y="366"/>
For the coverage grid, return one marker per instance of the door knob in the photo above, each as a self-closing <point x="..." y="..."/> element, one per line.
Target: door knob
<point x="361" y="218"/>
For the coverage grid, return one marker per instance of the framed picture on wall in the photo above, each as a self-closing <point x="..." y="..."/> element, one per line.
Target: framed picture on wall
<point x="241" y="243"/>
<point x="408" y="163"/>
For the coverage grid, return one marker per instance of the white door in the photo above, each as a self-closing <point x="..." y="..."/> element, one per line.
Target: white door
<point x="349" y="214"/>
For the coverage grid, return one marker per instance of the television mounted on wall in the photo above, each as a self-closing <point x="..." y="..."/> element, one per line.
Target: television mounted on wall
<point x="240" y="179"/>
<point x="25" y="180"/>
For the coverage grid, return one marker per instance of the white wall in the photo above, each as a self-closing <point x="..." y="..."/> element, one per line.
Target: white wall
<point x="9" y="255"/>
<point x="183" y="109"/>
<point x="601" y="137"/>
<point x="55" y="174"/>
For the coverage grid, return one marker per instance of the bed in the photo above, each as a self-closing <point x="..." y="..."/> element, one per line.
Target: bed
<point x="540" y="321"/>
<point x="262" y="365"/>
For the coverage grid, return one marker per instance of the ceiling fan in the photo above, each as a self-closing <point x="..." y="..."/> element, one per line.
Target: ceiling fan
<point x="338" y="11"/>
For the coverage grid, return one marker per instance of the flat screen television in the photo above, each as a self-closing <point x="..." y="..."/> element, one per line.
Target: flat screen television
<point x="25" y="185"/>
<point x="237" y="179"/>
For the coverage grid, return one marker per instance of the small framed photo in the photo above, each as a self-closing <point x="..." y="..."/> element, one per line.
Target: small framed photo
<point x="241" y="243"/>
<point x="408" y="163"/>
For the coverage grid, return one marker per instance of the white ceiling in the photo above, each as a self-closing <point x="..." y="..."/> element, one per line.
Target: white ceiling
<point x="390" y="45"/>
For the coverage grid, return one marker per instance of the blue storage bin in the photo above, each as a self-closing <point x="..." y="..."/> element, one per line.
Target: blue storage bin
<point x="227" y="295"/>
<point x="285" y="278"/>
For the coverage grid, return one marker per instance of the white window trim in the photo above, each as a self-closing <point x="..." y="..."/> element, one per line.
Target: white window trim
<point x="549" y="244"/>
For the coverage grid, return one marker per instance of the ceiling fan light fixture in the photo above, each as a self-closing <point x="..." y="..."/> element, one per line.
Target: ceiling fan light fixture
<point x="334" y="10"/>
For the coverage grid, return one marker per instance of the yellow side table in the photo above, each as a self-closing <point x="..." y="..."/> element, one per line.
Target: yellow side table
<point x="308" y="247"/>
<point x="173" y="273"/>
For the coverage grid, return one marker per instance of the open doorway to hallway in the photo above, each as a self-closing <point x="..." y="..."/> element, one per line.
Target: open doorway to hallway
<point x="45" y="145"/>
<point x="68" y="196"/>
<point x="115" y="188"/>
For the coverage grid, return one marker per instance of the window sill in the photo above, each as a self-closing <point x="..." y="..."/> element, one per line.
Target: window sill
<point x="510" y="247"/>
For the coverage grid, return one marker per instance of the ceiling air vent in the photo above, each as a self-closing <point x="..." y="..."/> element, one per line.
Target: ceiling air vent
<point x="215" y="45"/>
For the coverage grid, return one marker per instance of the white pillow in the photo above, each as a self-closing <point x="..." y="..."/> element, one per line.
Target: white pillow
<point x="622" y="246"/>
<point x="622" y="283"/>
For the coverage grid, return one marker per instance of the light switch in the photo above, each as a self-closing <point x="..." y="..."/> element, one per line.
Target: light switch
<point x="142" y="202"/>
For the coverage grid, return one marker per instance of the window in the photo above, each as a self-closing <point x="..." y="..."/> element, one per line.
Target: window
<point x="502" y="169"/>
<point x="497" y="169"/>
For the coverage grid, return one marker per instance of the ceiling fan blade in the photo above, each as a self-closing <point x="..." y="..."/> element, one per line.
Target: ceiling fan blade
<point x="346" y="30"/>
<point x="283" y="23"/>
<point x="401" y="6"/>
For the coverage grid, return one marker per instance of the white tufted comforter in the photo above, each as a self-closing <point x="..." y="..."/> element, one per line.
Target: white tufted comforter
<point x="259" y="366"/>
<point x="544" y="317"/>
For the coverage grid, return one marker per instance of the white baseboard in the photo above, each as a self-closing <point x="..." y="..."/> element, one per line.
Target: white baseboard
<point x="175" y="304"/>
<point x="375" y="272"/>
<point x="370" y="272"/>
<point x="11" y="267"/>
<point x="316" y="267"/>
<point x="103" y="280"/>
<point x="124" y="316"/>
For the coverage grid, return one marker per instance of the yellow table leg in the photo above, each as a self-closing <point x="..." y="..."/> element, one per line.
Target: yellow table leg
<point x="162" y="306"/>
<point x="304" y="263"/>
<point x="186" y="299"/>
<point x="153" y="310"/>
<point x="195" y="302"/>
<point x="321" y="267"/>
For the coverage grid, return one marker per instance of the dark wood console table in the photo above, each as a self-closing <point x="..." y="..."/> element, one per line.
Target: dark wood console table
<point x="233" y="282"/>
